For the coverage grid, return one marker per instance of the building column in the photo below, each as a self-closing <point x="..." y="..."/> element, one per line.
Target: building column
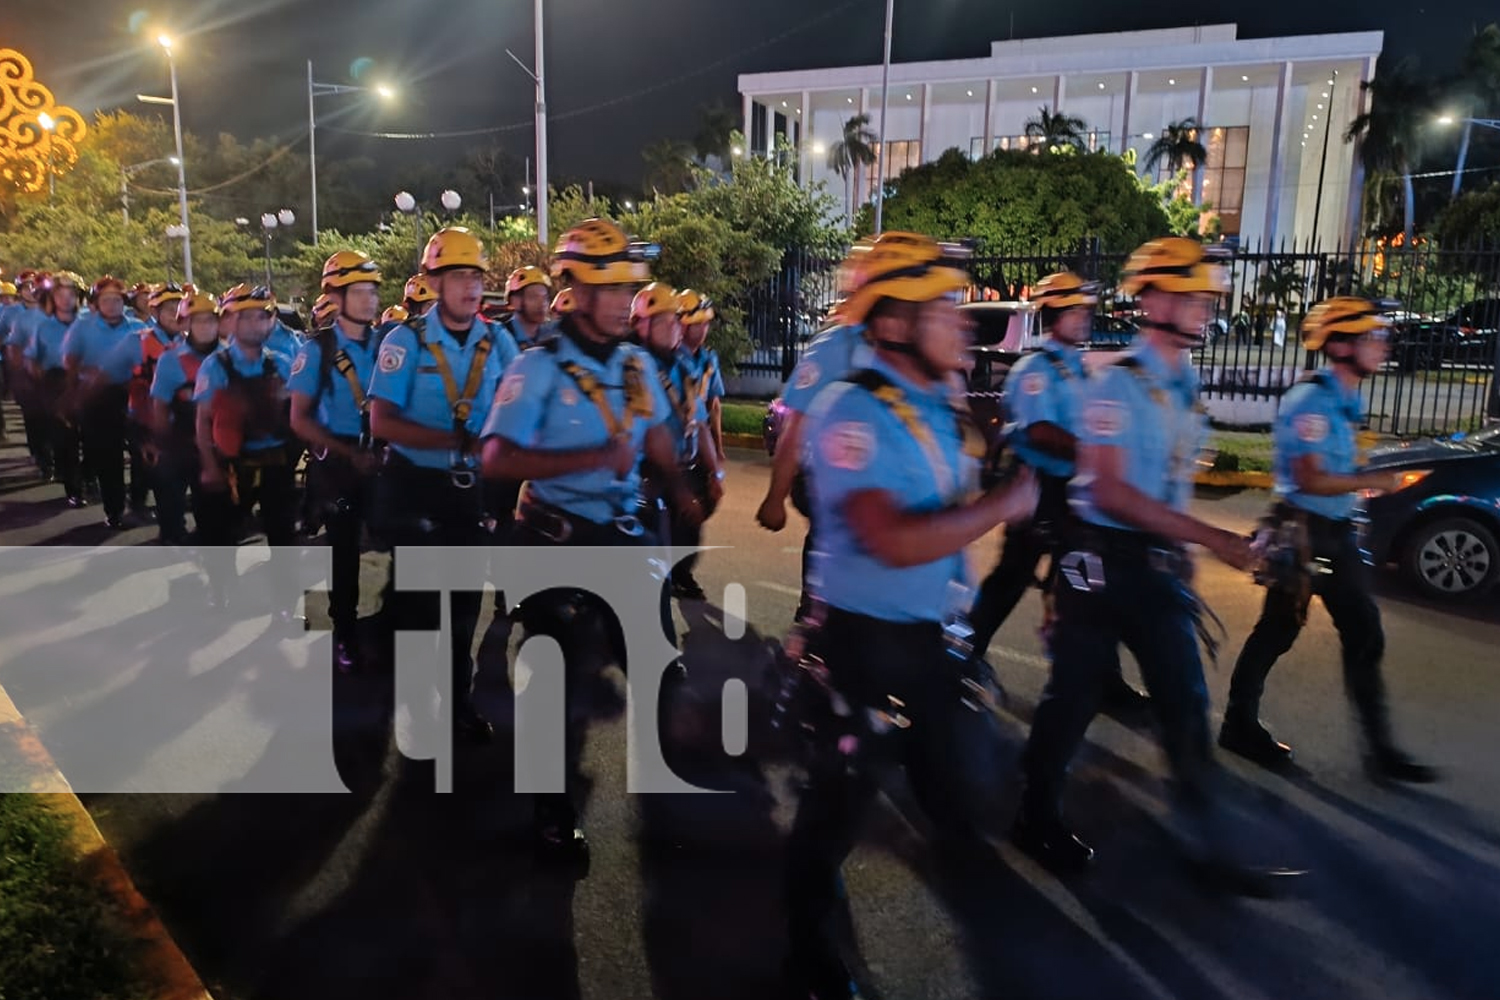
<point x="1205" y="87"/>
<point x="859" y="168"/>
<point x="926" y="114"/>
<point x="1059" y="94"/>
<point x="1354" y="211"/>
<point x="1132" y="82"/>
<point x="989" y="117"/>
<point x="804" y="141"/>
<point x="1278" y="157"/>
<point x="749" y="119"/>
<point x="770" y="113"/>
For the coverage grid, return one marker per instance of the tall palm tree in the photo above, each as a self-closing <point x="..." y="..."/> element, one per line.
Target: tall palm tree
<point x="669" y="165"/>
<point x="1389" y="134"/>
<point x="854" y="149"/>
<point x="716" y="123"/>
<point x="1177" y="144"/>
<point x="1056" y="131"/>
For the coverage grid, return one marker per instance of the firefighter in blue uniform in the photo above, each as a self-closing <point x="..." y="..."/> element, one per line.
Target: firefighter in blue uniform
<point x="159" y="336"/>
<point x="43" y="353"/>
<point x="701" y="388"/>
<point x="331" y="415"/>
<point x="1317" y="480"/>
<point x="18" y="323"/>
<point x="245" y="443"/>
<point x="1042" y="401"/>
<point x="575" y="419"/>
<point x="434" y="382"/>
<point x="172" y="450"/>
<point x="528" y="294"/>
<point x="892" y="467"/>
<point x="1124" y="573"/>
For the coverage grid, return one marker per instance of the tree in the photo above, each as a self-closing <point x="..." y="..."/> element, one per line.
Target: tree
<point x="714" y="138"/>
<point x="669" y="166"/>
<point x="1477" y="88"/>
<point x="1178" y="144"/>
<point x="854" y="149"/>
<point x="1280" y="282"/>
<point x="1012" y="200"/>
<point x="1056" y="131"/>
<point x="1471" y="220"/>
<point x="1389" y="134"/>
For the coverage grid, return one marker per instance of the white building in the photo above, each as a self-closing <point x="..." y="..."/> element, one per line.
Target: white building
<point x="1268" y="105"/>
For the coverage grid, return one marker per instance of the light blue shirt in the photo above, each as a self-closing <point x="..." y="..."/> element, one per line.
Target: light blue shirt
<point x="833" y="354"/>
<point x="212" y="378"/>
<point x="22" y="324"/>
<point x="544" y="332"/>
<point x="171" y="383"/>
<point x="407" y="376"/>
<point x="45" y="345"/>
<point x="704" y="361"/>
<point x="541" y="406"/>
<point x="687" y="409"/>
<point x="282" y="340"/>
<point x="91" y="342"/>
<point x="1151" y="414"/>
<point x="855" y="442"/>
<point x="1045" y="387"/>
<point x="338" y="410"/>
<point x="1318" y="416"/>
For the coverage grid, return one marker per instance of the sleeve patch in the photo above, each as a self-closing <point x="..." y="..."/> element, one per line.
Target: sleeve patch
<point x="300" y="363"/>
<point x="1311" y="427"/>
<point x="510" y="389"/>
<point x="849" y="446"/>
<point x="807" y="375"/>
<point x="1105" y="418"/>
<point x="1034" y="384"/>
<point x="392" y="358"/>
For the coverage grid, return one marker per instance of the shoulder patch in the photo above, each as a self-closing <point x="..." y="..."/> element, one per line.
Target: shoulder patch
<point x="300" y="363"/>
<point x="1034" y="384"/>
<point x="1311" y="427"/>
<point x="392" y="358"/>
<point x="510" y="389"/>
<point x="568" y="397"/>
<point x="1105" y="418"/>
<point x="849" y="445"/>
<point x="806" y="375"/>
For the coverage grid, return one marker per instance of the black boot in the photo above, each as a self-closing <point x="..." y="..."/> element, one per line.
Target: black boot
<point x="1386" y="764"/>
<point x="470" y="728"/>
<point x="1124" y="703"/>
<point x="1040" y="833"/>
<point x="1243" y="734"/>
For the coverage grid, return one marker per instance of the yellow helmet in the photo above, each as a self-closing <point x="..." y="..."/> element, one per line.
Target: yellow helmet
<point x="324" y="311"/>
<point x="694" y="307"/>
<point x="243" y="298"/>
<point x="1347" y="315"/>
<point x="653" y="300"/>
<point x="8" y="288"/>
<point x="524" y="277"/>
<point x="1174" y="264"/>
<point x="419" y="290"/>
<point x="196" y="303"/>
<point x="564" y="303"/>
<point x="453" y="246"/>
<point x="349" y="267"/>
<point x="1063" y="290"/>
<point x="395" y="314"/>
<point x="597" y="252"/>
<point x="908" y="267"/>
<point x="164" y="295"/>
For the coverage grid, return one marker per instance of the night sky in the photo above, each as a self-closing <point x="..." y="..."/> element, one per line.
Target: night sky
<point x="620" y="73"/>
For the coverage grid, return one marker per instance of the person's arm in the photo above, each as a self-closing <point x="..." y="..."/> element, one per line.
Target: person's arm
<point x="388" y="424"/>
<point x="661" y="452"/>
<point x="1120" y="501"/>
<point x="307" y="426"/>
<point x="1311" y="478"/>
<point x="212" y="476"/>
<point x="1052" y="439"/>
<point x="902" y="538"/>
<point x="716" y="424"/>
<point x="504" y="459"/>
<point x="784" y="465"/>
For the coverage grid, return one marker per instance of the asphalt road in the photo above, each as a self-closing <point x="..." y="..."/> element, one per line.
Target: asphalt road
<point x="395" y="891"/>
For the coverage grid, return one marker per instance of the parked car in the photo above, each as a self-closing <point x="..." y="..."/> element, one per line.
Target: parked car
<point x="1441" y="527"/>
<point x="1466" y="337"/>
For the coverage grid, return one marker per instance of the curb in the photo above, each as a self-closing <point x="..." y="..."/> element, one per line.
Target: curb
<point x="1221" y="480"/>
<point x="162" y="962"/>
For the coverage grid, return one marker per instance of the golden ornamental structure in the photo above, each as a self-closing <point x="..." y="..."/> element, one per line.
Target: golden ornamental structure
<point x="38" y="136"/>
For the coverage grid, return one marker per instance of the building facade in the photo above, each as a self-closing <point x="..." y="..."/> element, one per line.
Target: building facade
<point x="1273" y="113"/>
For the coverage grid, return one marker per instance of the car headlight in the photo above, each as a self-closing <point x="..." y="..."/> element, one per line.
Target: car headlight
<point x="1405" y="480"/>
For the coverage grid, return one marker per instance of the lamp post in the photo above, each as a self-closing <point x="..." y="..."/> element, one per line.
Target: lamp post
<point x="269" y="221"/>
<point x="407" y="205"/>
<point x="540" y="79"/>
<point x="175" y="231"/>
<point x="450" y="199"/>
<point x="127" y="172"/>
<point x="1463" y="143"/>
<point x="315" y="89"/>
<point x="48" y="124"/>
<point x="187" y="241"/>
<point x="885" y="80"/>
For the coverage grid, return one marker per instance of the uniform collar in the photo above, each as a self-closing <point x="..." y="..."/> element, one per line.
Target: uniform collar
<point x="1069" y="354"/>
<point x="936" y="393"/>
<point x="1182" y="380"/>
<point x="573" y="342"/>
<point x="1348" y="397"/>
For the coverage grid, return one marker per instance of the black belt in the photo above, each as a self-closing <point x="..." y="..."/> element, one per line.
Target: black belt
<point x="458" y="478"/>
<point x="560" y="526"/>
<point x="1134" y="546"/>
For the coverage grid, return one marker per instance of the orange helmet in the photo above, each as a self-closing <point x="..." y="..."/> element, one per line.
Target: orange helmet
<point x="419" y="290"/>
<point x="524" y="277"/>
<point x="653" y="300"/>
<point x="105" y="285"/>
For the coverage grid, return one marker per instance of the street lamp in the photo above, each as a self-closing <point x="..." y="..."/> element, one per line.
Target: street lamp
<point x="269" y="222"/>
<point x="47" y="123"/>
<point x="407" y="205"/>
<point x="314" y="89"/>
<point x="1463" y="143"/>
<point x="885" y="80"/>
<point x="540" y="79"/>
<point x="165" y="41"/>
<point x="450" y="200"/>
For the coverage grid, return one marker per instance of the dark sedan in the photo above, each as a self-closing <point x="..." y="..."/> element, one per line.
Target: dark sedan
<point x="1442" y="526"/>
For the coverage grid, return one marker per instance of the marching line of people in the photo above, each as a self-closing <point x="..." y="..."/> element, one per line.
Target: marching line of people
<point x="590" y="416"/>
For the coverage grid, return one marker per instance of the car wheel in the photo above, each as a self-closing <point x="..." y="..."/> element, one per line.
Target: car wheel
<point x="1452" y="557"/>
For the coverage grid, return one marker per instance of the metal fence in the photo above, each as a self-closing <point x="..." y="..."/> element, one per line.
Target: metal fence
<point x="1441" y="376"/>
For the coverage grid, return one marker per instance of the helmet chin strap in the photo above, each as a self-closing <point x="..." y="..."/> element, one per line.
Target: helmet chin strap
<point x="910" y="350"/>
<point x="1175" y="330"/>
